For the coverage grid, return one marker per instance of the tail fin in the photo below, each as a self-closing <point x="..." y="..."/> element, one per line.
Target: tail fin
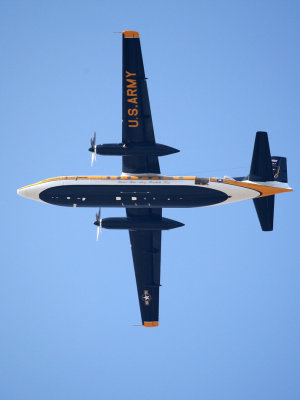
<point x="265" y="168"/>
<point x="279" y="169"/>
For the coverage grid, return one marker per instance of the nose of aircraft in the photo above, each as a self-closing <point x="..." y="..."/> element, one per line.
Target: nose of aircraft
<point x="30" y="192"/>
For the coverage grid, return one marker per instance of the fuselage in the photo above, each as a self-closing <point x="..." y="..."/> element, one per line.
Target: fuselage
<point x="146" y="191"/>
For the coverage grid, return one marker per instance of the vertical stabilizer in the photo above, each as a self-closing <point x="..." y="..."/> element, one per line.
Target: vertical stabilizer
<point x="279" y="169"/>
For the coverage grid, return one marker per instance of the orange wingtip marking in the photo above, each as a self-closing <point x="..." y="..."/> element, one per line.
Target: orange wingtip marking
<point x="131" y="34"/>
<point x="150" y="324"/>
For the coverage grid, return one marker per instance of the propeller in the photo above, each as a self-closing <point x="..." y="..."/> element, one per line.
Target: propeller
<point x="94" y="148"/>
<point x="98" y="223"/>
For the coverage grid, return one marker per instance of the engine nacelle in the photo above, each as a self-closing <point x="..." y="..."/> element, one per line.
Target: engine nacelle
<point x="133" y="149"/>
<point x="143" y="224"/>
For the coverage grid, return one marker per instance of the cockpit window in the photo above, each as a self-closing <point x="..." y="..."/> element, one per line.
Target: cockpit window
<point x="201" y="181"/>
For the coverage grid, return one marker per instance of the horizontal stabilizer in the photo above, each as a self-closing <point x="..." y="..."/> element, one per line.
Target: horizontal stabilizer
<point x="261" y="166"/>
<point x="265" y="211"/>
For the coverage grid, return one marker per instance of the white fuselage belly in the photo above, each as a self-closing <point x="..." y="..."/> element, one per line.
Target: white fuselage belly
<point x="129" y="191"/>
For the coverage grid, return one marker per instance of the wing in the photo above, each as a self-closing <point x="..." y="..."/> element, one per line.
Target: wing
<point x="146" y="251"/>
<point x="137" y="124"/>
<point x="137" y="128"/>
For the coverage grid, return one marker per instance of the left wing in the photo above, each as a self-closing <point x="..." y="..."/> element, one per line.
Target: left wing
<point x="146" y="251"/>
<point x="137" y="127"/>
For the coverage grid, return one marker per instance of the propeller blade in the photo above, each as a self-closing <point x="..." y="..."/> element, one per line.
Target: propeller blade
<point x="93" y="140"/>
<point x="94" y="147"/>
<point x="99" y="223"/>
<point x="98" y="215"/>
<point x="93" y="157"/>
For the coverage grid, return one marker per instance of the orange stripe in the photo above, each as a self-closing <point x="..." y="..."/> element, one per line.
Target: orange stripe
<point x="264" y="190"/>
<point x="65" y="178"/>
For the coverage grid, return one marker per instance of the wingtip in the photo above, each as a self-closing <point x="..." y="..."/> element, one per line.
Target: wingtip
<point x="131" y="34"/>
<point x="152" y="324"/>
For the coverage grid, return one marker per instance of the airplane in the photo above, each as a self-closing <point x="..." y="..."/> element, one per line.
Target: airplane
<point x="143" y="191"/>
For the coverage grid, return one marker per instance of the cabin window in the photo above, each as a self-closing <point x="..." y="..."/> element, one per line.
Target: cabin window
<point x="201" y="181"/>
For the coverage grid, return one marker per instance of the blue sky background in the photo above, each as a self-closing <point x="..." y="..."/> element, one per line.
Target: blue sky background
<point x="229" y="307"/>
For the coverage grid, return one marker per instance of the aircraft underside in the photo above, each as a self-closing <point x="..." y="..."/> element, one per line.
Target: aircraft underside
<point x="143" y="191"/>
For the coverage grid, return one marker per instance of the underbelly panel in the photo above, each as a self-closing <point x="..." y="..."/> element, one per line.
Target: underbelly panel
<point x="164" y="196"/>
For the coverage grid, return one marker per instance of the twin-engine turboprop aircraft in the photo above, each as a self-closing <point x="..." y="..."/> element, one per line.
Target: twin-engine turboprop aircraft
<point x="143" y="191"/>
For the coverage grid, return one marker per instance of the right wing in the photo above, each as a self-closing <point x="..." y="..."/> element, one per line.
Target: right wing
<point x="137" y="127"/>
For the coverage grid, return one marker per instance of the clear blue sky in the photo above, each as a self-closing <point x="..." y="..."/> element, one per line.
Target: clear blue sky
<point x="229" y="308"/>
